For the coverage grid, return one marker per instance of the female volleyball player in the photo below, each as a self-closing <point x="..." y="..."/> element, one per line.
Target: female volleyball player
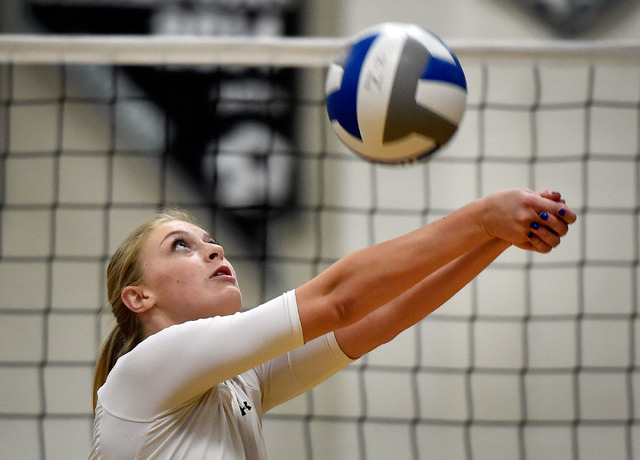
<point x="185" y="374"/>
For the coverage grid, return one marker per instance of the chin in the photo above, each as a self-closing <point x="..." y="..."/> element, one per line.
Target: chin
<point x="230" y="302"/>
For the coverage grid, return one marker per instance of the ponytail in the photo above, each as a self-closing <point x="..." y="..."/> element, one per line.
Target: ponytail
<point x="114" y="346"/>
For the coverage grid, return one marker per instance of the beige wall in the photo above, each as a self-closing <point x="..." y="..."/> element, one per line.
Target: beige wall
<point x="495" y="19"/>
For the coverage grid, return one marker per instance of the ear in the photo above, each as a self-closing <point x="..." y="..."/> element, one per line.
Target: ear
<point x="137" y="299"/>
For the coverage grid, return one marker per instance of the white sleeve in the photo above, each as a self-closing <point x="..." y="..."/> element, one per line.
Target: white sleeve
<point x="299" y="370"/>
<point x="185" y="360"/>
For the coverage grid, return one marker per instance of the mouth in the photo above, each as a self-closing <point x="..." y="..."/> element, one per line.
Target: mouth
<point x="222" y="271"/>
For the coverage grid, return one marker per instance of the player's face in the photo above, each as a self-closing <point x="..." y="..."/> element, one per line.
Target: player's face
<point x="186" y="273"/>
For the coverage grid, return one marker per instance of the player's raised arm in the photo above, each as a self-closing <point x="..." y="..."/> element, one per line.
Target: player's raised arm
<point x="367" y="279"/>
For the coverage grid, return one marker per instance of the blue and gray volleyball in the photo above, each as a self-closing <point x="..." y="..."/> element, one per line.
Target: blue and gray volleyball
<point x="396" y="93"/>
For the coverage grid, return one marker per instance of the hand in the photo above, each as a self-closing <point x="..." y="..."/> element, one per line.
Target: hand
<point x="529" y="220"/>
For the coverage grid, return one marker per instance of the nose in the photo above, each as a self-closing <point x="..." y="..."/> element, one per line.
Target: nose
<point x="215" y="251"/>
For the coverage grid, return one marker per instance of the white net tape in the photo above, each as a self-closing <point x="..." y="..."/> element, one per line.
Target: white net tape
<point x="276" y="51"/>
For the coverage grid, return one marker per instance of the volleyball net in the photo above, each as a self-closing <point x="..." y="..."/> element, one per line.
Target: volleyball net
<point x="536" y="358"/>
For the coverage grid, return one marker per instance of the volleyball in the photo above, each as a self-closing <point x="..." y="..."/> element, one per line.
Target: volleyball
<point x="395" y="93"/>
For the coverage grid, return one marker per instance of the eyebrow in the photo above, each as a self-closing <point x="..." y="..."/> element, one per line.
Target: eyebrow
<point x="205" y="235"/>
<point x="170" y="234"/>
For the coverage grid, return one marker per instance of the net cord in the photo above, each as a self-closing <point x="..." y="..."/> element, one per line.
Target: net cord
<point x="303" y="52"/>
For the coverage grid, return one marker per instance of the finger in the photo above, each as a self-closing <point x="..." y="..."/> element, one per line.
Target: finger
<point x="557" y="208"/>
<point x="548" y="237"/>
<point x="538" y="244"/>
<point x="566" y="214"/>
<point x="544" y="234"/>
<point x="551" y="195"/>
<point x="553" y="223"/>
<point x="532" y="242"/>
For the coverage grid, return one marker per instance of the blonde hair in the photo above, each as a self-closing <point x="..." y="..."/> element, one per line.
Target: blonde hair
<point x="125" y="269"/>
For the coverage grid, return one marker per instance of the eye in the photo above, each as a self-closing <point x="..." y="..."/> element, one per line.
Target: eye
<point x="179" y="244"/>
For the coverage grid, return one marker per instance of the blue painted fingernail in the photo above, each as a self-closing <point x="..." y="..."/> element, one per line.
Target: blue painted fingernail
<point x="544" y="215"/>
<point x="555" y="193"/>
<point x="530" y="235"/>
<point x="562" y="212"/>
<point x="535" y="226"/>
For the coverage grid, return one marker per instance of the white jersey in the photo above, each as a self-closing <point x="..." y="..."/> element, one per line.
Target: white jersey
<point x="198" y="390"/>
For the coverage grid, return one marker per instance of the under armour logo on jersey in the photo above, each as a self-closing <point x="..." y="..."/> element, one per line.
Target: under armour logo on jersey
<point x="245" y="408"/>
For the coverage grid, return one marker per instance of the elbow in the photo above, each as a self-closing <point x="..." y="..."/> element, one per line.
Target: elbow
<point x="326" y="306"/>
<point x="342" y="311"/>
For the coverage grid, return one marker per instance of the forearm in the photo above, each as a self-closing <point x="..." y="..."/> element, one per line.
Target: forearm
<point x="415" y="304"/>
<point x="363" y="281"/>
